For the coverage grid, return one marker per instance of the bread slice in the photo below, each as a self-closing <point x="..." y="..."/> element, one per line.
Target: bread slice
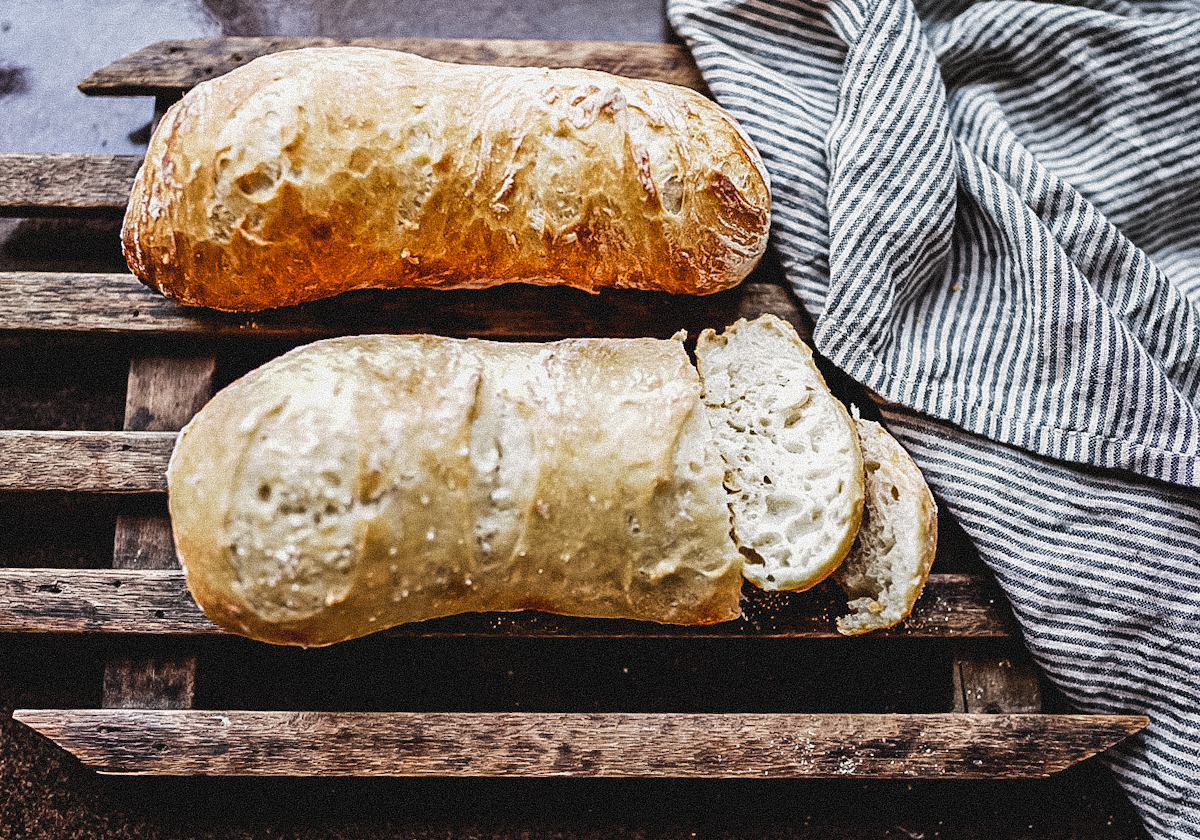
<point x="792" y="462"/>
<point x="889" y="563"/>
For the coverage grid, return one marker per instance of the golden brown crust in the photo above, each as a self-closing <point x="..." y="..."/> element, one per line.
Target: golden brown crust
<point x="312" y="172"/>
<point x="357" y="483"/>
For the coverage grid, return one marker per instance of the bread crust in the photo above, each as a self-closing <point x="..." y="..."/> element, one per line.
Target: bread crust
<point x="307" y="173"/>
<point x="358" y="483"/>
<point x="889" y="563"/>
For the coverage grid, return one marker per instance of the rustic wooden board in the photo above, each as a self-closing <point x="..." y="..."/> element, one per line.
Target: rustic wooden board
<point x="534" y="744"/>
<point x="157" y="601"/>
<point x="118" y="303"/>
<point x="62" y="184"/>
<point x="90" y="462"/>
<point x="98" y="601"/>
<point x="144" y="541"/>
<point x="146" y="594"/>
<point x="162" y="394"/>
<point x="170" y="67"/>
<point x="149" y="682"/>
<point x="995" y="684"/>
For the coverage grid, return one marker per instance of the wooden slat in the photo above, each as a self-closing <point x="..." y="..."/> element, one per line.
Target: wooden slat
<point x="625" y="745"/>
<point x="162" y="393"/>
<point x="149" y="682"/>
<point x="157" y="601"/>
<point x="118" y="303"/>
<point x="991" y="684"/>
<point x="89" y="462"/>
<point x="144" y="541"/>
<point x="98" y="601"/>
<point x="174" y="66"/>
<point x="60" y="184"/>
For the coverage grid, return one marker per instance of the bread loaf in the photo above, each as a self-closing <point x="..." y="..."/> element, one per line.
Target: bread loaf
<point x="891" y="557"/>
<point x="311" y="172"/>
<point x="357" y="483"/>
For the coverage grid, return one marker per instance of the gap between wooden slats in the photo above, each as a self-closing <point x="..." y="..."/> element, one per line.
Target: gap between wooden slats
<point x="157" y="601"/>
<point x="118" y="303"/>
<point x="170" y="67"/>
<point x="566" y="744"/>
<point x="1004" y="682"/>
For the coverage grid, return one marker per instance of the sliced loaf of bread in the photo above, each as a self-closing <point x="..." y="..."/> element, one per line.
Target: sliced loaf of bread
<point x="792" y="462"/>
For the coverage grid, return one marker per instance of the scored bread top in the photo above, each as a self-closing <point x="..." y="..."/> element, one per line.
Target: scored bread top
<point x="311" y="172"/>
<point x="793" y="465"/>
<point x="357" y="483"/>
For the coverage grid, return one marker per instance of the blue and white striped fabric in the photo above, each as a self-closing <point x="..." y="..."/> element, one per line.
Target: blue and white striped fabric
<point x="993" y="212"/>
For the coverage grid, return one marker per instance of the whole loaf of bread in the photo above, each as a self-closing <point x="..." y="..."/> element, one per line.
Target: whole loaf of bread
<point x="311" y="172"/>
<point x="358" y="483"/>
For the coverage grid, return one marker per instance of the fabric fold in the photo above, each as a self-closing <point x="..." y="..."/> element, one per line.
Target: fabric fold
<point x="992" y="211"/>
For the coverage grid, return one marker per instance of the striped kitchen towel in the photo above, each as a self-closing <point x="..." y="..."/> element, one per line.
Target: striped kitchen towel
<point x="992" y="210"/>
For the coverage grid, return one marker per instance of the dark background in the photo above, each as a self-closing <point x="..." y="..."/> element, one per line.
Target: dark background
<point x="44" y="49"/>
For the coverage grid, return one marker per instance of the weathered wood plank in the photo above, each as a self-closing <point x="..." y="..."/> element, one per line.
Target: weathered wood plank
<point x="174" y="66"/>
<point x="143" y="541"/>
<point x="65" y="184"/>
<point x="118" y="303"/>
<point x="157" y="601"/>
<point x="556" y="744"/>
<point x="89" y="462"/>
<point x="149" y="682"/>
<point x="162" y="394"/>
<point x="99" y="601"/>
<point x="995" y="684"/>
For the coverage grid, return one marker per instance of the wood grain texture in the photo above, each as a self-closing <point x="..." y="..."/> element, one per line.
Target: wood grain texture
<point x="89" y="462"/>
<point x="157" y="601"/>
<point x="65" y="184"/>
<point x="175" y="66"/>
<point x="557" y="744"/>
<point x="144" y="541"/>
<point x="118" y="303"/>
<point x="991" y="684"/>
<point x="98" y="601"/>
<point x="149" y="682"/>
<point x="162" y="393"/>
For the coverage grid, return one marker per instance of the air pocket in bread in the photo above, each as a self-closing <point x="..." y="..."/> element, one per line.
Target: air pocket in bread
<point x="794" y="470"/>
